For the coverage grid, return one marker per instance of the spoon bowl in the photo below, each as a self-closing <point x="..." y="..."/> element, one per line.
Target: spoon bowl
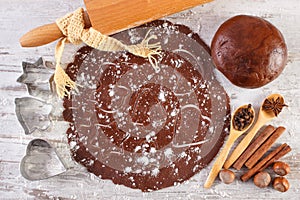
<point x="264" y="116"/>
<point x="233" y="135"/>
<point x="246" y="114"/>
<point x="269" y="114"/>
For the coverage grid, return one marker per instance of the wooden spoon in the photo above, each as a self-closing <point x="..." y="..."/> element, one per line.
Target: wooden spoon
<point x="263" y="117"/>
<point x="233" y="135"/>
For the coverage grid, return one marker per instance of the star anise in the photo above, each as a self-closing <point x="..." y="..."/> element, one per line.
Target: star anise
<point x="274" y="105"/>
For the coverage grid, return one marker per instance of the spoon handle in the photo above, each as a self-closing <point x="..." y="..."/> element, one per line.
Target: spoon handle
<point x="244" y="143"/>
<point x="217" y="166"/>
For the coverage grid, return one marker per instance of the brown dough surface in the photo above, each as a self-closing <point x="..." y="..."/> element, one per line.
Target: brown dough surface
<point x="140" y="128"/>
<point x="249" y="51"/>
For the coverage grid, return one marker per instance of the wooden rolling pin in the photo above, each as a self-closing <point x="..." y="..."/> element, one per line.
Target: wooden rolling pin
<point x="112" y="16"/>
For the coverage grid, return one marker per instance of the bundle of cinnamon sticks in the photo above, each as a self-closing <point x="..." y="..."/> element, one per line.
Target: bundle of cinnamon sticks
<point x="252" y="157"/>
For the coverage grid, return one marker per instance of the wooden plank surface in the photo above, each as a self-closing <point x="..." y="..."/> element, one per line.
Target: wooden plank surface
<point x="18" y="16"/>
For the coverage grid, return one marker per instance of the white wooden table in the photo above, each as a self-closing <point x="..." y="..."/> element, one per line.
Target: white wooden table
<point x="18" y="16"/>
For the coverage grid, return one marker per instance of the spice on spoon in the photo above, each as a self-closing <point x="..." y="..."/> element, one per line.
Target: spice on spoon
<point x="234" y="133"/>
<point x="243" y="118"/>
<point x="274" y="105"/>
<point x="263" y="117"/>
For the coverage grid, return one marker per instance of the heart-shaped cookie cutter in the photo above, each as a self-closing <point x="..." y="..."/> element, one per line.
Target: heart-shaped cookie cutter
<point x="41" y="161"/>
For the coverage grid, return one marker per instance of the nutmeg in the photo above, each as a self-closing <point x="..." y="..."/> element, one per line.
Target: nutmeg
<point x="262" y="179"/>
<point x="281" y="168"/>
<point x="281" y="184"/>
<point x="226" y="176"/>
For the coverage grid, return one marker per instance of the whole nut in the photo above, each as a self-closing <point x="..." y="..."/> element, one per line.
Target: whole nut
<point x="281" y="184"/>
<point x="226" y="176"/>
<point x="281" y="168"/>
<point x="262" y="179"/>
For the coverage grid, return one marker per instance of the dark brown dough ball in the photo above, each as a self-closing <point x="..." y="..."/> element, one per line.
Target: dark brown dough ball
<point x="249" y="51"/>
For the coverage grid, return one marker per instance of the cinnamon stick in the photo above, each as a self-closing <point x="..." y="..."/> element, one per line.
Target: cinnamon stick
<point x="267" y="161"/>
<point x="263" y="136"/>
<point x="264" y="147"/>
<point x="284" y="151"/>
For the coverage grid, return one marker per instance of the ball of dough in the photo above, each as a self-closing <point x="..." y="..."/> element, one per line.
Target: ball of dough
<point x="249" y="51"/>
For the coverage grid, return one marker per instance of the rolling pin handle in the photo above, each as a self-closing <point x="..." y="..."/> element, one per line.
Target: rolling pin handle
<point x="46" y="34"/>
<point x="41" y="35"/>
